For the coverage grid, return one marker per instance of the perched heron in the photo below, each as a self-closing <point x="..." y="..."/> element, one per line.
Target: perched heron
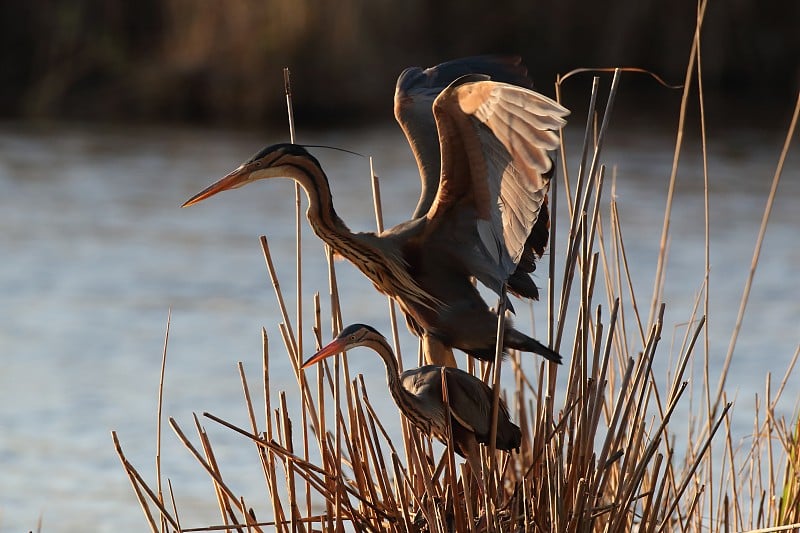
<point x="482" y="222"/>
<point x="419" y="396"/>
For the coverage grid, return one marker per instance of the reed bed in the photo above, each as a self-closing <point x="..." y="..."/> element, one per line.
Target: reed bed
<point x="602" y="447"/>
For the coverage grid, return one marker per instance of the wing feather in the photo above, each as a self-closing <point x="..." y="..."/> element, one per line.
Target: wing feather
<point x="495" y="139"/>
<point x="414" y="95"/>
<point x="470" y="400"/>
<point x="470" y="403"/>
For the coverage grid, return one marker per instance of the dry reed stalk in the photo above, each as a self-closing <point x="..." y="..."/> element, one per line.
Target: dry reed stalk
<point x="287" y="87"/>
<point x="618" y="240"/>
<point x="553" y="242"/>
<point x="279" y="294"/>
<point x="757" y="251"/>
<point x="372" y="444"/>
<point x="269" y="470"/>
<point x="496" y="370"/>
<point x="450" y="454"/>
<point x="222" y="503"/>
<point x="707" y="244"/>
<point x="662" y="256"/>
<point x="141" y="489"/>
<point x="224" y="492"/>
<point x="574" y="232"/>
<point x="174" y="506"/>
<point x="376" y="200"/>
<point x="159" y="412"/>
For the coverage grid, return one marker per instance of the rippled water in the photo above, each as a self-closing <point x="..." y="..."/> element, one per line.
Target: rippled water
<point x="95" y="251"/>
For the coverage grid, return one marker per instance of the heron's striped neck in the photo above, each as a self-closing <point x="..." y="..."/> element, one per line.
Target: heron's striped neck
<point x="388" y="275"/>
<point x="405" y="400"/>
<point x="322" y="216"/>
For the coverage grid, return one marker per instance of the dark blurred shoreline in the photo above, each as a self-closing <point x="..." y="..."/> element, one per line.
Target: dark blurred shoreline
<point x="220" y="63"/>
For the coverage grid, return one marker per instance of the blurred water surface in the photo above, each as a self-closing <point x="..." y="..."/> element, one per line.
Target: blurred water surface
<point x="95" y="251"/>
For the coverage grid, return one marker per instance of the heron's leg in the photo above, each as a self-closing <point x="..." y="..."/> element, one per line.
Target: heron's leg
<point x="466" y="445"/>
<point x="472" y="452"/>
<point x="436" y="353"/>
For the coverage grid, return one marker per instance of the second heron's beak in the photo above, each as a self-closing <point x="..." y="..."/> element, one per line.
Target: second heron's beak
<point x="334" y="347"/>
<point x="239" y="177"/>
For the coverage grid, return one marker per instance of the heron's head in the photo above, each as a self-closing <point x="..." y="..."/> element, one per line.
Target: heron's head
<point x="350" y="337"/>
<point x="271" y="162"/>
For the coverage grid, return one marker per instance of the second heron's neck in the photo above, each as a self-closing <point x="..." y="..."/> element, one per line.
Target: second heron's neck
<point x="405" y="400"/>
<point x="382" y="348"/>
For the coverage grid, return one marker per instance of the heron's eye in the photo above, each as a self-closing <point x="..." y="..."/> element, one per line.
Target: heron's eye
<point x="352" y="337"/>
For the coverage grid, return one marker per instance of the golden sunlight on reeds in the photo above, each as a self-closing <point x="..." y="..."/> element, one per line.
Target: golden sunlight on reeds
<point x="602" y="446"/>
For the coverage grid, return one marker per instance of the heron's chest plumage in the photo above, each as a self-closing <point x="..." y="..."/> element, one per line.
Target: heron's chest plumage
<point x="394" y="276"/>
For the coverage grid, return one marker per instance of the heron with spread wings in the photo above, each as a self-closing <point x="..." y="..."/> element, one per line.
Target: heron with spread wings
<point x="490" y="169"/>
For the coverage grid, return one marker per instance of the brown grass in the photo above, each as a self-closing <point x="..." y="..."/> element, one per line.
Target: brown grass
<point x="599" y="452"/>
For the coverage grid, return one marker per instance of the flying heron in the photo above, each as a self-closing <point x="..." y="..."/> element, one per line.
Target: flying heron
<point x="482" y="222"/>
<point x="419" y="396"/>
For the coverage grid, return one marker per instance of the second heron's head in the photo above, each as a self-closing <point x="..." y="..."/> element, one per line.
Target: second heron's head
<point x="350" y="337"/>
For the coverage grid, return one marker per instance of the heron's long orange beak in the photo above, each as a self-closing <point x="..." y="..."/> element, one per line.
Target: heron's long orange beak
<point x="334" y="347"/>
<point x="237" y="178"/>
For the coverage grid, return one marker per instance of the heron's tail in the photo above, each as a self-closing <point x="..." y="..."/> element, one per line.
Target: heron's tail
<point x="520" y="341"/>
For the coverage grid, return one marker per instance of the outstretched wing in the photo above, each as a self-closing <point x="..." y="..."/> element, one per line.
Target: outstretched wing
<point x="495" y="174"/>
<point x="413" y="100"/>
